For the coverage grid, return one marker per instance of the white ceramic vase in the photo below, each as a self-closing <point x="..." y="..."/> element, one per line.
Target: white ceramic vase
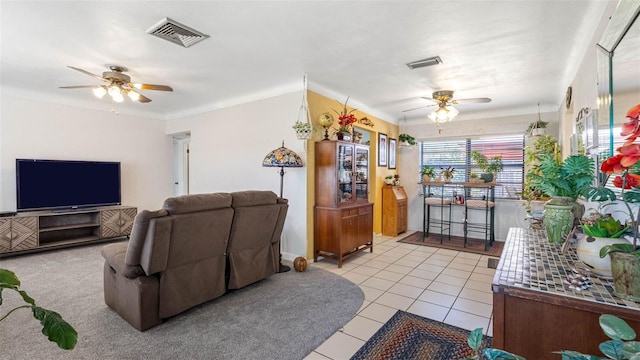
<point x="588" y="251"/>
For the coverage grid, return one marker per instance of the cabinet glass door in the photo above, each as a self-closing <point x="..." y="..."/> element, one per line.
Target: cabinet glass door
<point x="345" y="170"/>
<point x="362" y="173"/>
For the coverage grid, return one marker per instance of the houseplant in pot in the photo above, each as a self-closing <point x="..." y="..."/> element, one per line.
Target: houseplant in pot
<point x="428" y="173"/>
<point x="625" y="258"/>
<point x="406" y="140"/>
<point x="600" y="230"/>
<point x="536" y="128"/>
<point x="489" y="166"/>
<point x="564" y="181"/>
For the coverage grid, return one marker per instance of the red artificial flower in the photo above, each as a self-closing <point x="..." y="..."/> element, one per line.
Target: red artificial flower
<point x="633" y="180"/>
<point x="346" y="120"/>
<point x="612" y="165"/>
<point x="630" y="154"/>
<point x="634" y="112"/>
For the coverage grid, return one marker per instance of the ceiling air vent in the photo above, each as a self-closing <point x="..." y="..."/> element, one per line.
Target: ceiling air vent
<point x="175" y="32"/>
<point x="425" y="62"/>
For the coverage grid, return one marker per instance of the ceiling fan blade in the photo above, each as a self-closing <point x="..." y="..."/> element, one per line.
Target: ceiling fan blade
<point x="88" y="73"/>
<point x="151" y="87"/>
<point x="428" y="98"/>
<point x="79" y="86"/>
<point x="143" y="99"/>
<point x="471" y="101"/>
<point x="421" y="107"/>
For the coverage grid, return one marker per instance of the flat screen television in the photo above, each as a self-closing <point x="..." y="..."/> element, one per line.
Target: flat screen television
<point x="66" y="184"/>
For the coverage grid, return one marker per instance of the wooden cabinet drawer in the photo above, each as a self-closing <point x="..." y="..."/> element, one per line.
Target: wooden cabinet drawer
<point x="365" y="210"/>
<point x="349" y="212"/>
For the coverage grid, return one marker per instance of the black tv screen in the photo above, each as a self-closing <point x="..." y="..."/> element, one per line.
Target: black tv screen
<point x="57" y="184"/>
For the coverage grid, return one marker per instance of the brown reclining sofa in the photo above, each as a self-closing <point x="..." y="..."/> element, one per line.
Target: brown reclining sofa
<point x="191" y="251"/>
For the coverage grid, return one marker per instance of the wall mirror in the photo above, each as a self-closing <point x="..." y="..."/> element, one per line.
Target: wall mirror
<point x="618" y="73"/>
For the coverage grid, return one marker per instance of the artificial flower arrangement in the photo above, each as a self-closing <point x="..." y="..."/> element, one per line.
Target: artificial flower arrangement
<point x="345" y="118"/>
<point x="624" y="165"/>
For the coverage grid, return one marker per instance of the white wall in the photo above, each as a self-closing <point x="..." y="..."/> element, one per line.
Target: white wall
<point x="31" y="129"/>
<point x="228" y="146"/>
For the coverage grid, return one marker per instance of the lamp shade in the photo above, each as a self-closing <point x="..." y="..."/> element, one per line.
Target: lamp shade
<point x="444" y="114"/>
<point x="282" y="157"/>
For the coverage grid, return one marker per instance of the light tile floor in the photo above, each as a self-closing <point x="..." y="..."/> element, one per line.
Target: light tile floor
<point x="444" y="285"/>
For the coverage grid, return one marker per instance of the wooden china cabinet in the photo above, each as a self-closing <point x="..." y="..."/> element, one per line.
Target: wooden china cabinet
<point x="343" y="223"/>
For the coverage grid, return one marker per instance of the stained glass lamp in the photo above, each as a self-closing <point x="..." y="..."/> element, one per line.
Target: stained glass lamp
<point x="282" y="158"/>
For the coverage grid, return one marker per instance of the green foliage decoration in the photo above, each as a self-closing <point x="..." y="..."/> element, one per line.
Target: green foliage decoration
<point x="569" y="178"/>
<point x="54" y="327"/>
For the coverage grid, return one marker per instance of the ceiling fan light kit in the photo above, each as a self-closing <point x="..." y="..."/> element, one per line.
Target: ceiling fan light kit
<point x="444" y="114"/>
<point x="118" y="85"/>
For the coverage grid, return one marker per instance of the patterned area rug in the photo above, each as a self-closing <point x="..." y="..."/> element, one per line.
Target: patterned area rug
<point x="475" y="246"/>
<point x="408" y="336"/>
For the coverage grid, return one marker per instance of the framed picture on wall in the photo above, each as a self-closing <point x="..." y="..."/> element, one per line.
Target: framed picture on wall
<point x="392" y="153"/>
<point x="382" y="149"/>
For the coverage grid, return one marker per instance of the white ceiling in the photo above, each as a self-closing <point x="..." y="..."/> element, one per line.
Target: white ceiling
<point x="516" y="52"/>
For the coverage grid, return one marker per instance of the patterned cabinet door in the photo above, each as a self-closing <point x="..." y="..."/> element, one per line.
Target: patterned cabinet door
<point x="126" y="220"/>
<point x="5" y="235"/>
<point x="24" y="233"/>
<point x="110" y="223"/>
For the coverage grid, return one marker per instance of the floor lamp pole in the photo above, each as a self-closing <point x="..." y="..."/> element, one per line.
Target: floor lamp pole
<point x="283" y="268"/>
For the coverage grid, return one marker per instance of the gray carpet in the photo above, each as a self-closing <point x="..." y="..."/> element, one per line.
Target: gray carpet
<point x="283" y="317"/>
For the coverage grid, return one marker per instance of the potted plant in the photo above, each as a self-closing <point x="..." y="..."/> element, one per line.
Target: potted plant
<point x="388" y="179"/>
<point x="406" y="140"/>
<point x="600" y="230"/>
<point x="447" y="173"/>
<point x="428" y="173"/>
<point x="474" y="178"/>
<point x="564" y="181"/>
<point x="536" y="128"/>
<point x="489" y="166"/>
<point x="625" y="258"/>
<point x="345" y="122"/>
<point x="302" y="129"/>
<point x="53" y="326"/>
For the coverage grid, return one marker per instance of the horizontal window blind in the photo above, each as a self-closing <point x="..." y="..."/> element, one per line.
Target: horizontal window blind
<point x="457" y="154"/>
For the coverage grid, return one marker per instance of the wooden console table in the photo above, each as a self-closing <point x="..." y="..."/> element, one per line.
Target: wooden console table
<point x="536" y="313"/>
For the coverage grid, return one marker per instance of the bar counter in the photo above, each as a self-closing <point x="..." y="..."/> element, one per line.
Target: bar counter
<point x="535" y="312"/>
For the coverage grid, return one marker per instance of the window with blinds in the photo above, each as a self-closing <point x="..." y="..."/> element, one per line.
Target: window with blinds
<point x="457" y="154"/>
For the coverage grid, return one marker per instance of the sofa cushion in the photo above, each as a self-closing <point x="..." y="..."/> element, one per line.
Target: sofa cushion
<point x="139" y="234"/>
<point x="196" y="202"/>
<point x="253" y="198"/>
<point x="114" y="255"/>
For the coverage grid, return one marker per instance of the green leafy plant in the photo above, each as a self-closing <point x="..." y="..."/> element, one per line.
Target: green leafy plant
<point x="542" y="144"/>
<point x="428" y="171"/>
<point x="605" y="226"/>
<point x="536" y="125"/>
<point x="487" y="165"/>
<point x="619" y="347"/>
<point x="447" y="172"/>
<point x="571" y="178"/>
<point x="407" y="138"/>
<point x="475" y="342"/>
<point x="53" y="326"/>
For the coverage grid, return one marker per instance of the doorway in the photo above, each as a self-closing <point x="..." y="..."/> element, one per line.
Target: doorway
<point x="181" y="142"/>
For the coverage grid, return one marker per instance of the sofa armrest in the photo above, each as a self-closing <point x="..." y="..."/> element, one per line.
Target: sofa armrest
<point x="114" y="255"/>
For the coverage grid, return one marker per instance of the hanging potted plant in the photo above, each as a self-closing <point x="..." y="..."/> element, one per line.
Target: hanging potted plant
<point x="489" y="167"/>
<point x="536" y="128"/>
<point x="406" y="140"/>
<point x="303" y="130"/>
<point x="564" y="181"/>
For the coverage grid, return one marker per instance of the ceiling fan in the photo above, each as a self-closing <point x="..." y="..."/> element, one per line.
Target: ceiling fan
<point x="444" y="98"/>
<point x="118" y="84"/>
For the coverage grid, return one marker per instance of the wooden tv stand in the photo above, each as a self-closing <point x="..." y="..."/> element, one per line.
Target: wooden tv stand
<point x="43" y="230"/>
